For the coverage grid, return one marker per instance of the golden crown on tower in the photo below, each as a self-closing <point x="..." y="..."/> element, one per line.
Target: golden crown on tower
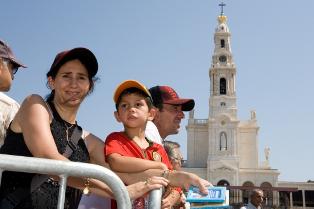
<point x="222" y="19"/>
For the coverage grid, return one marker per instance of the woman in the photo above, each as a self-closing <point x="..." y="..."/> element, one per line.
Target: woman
<point x="43" y="129"/>
<point x="174" y="154"/>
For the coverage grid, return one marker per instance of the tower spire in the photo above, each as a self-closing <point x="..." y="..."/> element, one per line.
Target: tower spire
<point x="222" y="18"/>
<point x="222" y="4"/>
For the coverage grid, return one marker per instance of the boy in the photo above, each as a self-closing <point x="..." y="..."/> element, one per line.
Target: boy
<point x="130" y="151"/>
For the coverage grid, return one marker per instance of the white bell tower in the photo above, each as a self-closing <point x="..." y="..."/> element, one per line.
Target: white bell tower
<point x="222" y="74"/>
<point x="223" y="157"/>
<point x="223" y="148"/>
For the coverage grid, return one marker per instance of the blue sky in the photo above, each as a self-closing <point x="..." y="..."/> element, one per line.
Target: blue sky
<point x="170" y="42"/>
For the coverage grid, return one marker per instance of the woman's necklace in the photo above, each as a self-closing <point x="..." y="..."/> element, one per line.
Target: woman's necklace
<point x="67" y="128"/>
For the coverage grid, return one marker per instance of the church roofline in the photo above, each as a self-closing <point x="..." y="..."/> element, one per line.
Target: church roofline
<point x="287" y="189"/>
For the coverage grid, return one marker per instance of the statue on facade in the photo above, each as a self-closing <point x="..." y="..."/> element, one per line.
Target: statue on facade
<point x="223" y="141"/>
<point x="253" y="115"/>
<point x="267" y="152"/>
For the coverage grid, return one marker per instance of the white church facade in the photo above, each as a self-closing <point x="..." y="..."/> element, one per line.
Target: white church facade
<point x="225" y="150"/>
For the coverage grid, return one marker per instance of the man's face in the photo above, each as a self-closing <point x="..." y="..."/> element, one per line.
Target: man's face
<point x="257" y="199"/>
<point x="168" y="120"/>
<point x="6" y="74"/>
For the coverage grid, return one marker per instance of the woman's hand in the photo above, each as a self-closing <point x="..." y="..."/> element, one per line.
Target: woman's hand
<point x="140" y="188"/>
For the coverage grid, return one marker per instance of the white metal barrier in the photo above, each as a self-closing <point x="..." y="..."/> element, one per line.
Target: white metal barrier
<point x="64" y="170"/>
<point x="154" y="200"/>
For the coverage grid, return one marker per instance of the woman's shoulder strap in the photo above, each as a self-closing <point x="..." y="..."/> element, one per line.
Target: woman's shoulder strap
<point x="49" y="109"/>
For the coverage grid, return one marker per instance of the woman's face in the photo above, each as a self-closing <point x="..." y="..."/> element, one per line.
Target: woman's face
<point x="177" y="159"/>
<point x="71" y="83"/>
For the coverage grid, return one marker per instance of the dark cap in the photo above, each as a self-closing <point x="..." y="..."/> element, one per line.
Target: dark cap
<point x="7" y="53"/>
<point x="167" y="95"/>
<point x="87" y="58"/>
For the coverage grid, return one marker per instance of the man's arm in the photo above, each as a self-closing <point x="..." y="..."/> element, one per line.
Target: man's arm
<point x="176" y="178"/>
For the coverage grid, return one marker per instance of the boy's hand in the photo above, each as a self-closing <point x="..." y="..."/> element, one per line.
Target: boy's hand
<point x="163" y="166"/>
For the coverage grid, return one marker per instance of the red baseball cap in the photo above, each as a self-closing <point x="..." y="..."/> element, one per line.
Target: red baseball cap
<point x="7" y="53"/>
<point x="167" y="95"/>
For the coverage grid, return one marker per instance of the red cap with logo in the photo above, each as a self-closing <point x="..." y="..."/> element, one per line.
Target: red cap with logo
<point x="167" y="95"/>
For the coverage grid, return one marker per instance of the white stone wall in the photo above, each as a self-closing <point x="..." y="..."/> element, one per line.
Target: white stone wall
<point x="201" y="172"/>
<point x="248" y="146"/>
<point x="258" y="176"/>
<point x="197" y="144"/>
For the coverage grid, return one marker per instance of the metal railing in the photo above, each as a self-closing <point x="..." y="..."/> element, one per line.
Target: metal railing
<point x="154" y="200"/>
<point x="65" y="169"/>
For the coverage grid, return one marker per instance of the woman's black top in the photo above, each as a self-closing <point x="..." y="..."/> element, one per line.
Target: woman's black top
<point x="46" y="196"/>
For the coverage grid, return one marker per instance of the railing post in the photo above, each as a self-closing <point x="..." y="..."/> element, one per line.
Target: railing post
<point x="62" y="190"/>
<point x="154" y="200"/>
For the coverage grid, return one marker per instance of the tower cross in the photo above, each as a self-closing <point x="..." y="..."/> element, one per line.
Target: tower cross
<point x="222" y="4"/>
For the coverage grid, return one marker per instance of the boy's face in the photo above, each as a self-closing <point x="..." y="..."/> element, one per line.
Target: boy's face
<point x="133" y="111"/>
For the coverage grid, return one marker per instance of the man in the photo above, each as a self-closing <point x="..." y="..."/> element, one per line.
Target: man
<point x="168" y="116"/>
<point x="256" y="196"/>
<point x="8" y="107"/>
<point x="169" y="113"/>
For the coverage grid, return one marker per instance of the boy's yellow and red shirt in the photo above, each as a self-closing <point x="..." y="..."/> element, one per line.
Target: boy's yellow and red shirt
<point x="118" y="142"/>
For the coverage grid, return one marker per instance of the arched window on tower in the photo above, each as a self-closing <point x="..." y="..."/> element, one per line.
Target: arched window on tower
<point x="223" y="86"/>
<point x="223" y="182"/>
<point x="223" y="141"/>
<point x="268" y="194"/>
<point x="222" y="43"/>
<point x="246" y="191"/>
<point x="232" y="193"/>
